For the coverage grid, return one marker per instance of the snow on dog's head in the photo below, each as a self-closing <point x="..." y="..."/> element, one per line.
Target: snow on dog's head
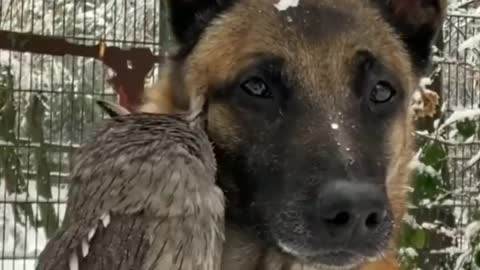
<point x="285" y="4"/>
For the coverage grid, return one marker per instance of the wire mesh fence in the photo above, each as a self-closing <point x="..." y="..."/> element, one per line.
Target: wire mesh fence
<point x="439" y="232"/>
<point x="58" y="56"/>
<point x="457" y="131"/>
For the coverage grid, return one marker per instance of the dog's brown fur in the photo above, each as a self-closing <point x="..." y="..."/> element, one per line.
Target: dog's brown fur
<point x="244" y="252"/>
<point x="318" y="51"/>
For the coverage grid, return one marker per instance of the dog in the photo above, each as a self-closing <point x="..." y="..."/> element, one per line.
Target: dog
<point x="308" y="112"/>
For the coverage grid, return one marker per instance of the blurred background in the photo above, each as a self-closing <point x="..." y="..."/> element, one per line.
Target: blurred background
<point x="58" y="56"/>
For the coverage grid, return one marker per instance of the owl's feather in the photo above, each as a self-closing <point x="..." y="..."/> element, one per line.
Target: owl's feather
<point x="142" y="196"/>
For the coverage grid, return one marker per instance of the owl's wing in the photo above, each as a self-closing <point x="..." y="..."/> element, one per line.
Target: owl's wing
<point x="137" y="211"/>
<point x="120" y="245"/>
<point x="191" y="235"/>
<point x="106" y="223"/>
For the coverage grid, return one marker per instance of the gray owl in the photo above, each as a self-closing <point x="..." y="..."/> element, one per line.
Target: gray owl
<point x="142" y="197"/>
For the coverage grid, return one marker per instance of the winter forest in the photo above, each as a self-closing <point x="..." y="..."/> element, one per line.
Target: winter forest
<point x="47" y="106"/>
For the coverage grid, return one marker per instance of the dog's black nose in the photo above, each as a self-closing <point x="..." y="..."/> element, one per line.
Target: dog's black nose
<point x="351" y="211"/>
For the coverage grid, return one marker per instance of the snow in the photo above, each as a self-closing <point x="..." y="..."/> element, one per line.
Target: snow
<point x="469" y="43"/>
<point x="436" y="123"/>
<point x="409" y="252"/>
<point x="460" y="115"/>
<point x="462" y="259"/>
<point x="60" y="194"/>
<point x="449" y="250"/>
<point x="14" y="236"/>
<point x="334" y="126"/>
<point x="429" y="226"/>
<point x="452" y="233"/>
<point x="285" y="4"/>
<point x="448" y="202"/>
<point x="24" y="264"/>
<point x="410" y="220"/>
<point x="29" y="143"/>
<point x="24" y="241"/>
<point x="6" y="143"/>
<point x="425" y="81"/>
<point x="473" y="160"/>
<point x="437" y="59"/>
<point x="472" y="230"/>
<point x="421" y="167"/>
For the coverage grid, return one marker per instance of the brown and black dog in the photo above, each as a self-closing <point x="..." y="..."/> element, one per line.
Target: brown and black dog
<point x="308" y="111"/>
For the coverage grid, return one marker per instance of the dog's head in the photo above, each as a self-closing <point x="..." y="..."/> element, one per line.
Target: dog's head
<point x="308" y="113"/>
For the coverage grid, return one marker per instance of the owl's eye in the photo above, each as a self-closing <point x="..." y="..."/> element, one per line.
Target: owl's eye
<point x="381" y="93"/>
<point x="257" y="87"/>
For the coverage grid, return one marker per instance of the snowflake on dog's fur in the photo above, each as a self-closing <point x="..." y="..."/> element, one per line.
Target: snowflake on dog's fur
<point x="424" y="101"/>
<point x="285" y="4"/>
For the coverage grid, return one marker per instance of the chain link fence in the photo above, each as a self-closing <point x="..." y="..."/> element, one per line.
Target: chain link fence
<point x="58" y="56"/>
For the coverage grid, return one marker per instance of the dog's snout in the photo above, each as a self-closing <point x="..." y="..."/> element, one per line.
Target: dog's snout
<point x="351" y="211"/>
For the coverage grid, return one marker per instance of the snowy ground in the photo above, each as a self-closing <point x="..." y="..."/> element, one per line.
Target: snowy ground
<point x="18" y="264"/>
<point x="20" y="244"/>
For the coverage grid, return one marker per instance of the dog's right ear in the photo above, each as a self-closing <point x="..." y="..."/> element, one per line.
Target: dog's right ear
<point x="112" y="109"/>
<point x="188" y="18"/>
<point x="418" y="22"/>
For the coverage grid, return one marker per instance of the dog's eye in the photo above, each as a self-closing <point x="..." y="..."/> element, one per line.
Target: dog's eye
<point x="257" y="87"/>
<point x="382" y="92"/>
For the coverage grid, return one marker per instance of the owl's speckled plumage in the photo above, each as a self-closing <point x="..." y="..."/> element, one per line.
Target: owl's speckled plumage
<point x="142" y="196"/>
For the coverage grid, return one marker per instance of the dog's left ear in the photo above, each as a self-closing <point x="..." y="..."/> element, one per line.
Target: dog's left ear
<point x="418" y="22"/>
<point x="189" y="18"/>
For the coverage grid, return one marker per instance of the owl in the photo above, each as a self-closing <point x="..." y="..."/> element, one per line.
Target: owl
<point x="142" y="196"/>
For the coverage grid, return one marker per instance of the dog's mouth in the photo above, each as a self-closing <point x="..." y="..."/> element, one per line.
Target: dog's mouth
<point x="336" y="259"/>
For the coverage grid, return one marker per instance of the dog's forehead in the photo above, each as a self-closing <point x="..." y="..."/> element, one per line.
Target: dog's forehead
<point x="313" y="28"/>
<point x="319" y="36"/>
<point x="317" y="39"/>
<point x="308" y="19"/>
<point x="314" y="21"/>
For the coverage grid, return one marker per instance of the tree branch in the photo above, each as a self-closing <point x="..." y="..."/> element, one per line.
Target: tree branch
<point x="131" y="66"/>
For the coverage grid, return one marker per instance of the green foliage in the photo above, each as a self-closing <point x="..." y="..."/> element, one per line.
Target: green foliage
<point x="467" y="128"/>
<point x="430" y="186"/>
<point x="428" y="180"/>
<point x="426" y="185"/>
